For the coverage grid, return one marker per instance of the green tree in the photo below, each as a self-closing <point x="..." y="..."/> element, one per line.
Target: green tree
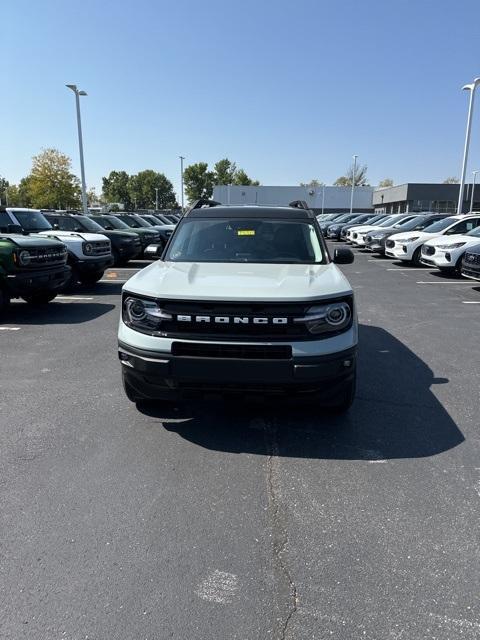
<point x="242" y="178"/>
<point x="115" y="188"/>
<point x="4" y="186"/>
<point x="225" y="171"/>
<point x="386" y="182"/>
<point x="313" y="183"/>
<point x="23" y="193"/>
<point x="198" y="181"/>
<point x="51" y="184"/>
<point x="451" y="180"/>
<point x="360" y="177"/>
<point x="142" y="190"/>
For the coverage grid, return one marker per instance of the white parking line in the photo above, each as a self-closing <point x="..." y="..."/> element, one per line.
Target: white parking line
<point x="441" y="282"/>
<point x="114" y="281"/>
<point x="72" y="298"/>
<point x="470" y="301"/>
<point x="409" y="269"/>
<point x="125" y="269"/>
<point x="9" y="328"/>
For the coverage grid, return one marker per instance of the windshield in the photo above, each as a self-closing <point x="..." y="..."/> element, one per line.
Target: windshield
<point x="32" y="221"/>
<point x="388" y="222"/>
<point x="89" y="224"/>
<point x="111" y="221"/>
<point x="440" y="225"/>
<point x="130" y="222"/>
<point x="246" y="240"/>
<point x="141" y="221"/>
<point x="404" y="221"/>
<point x="474" y="232"/>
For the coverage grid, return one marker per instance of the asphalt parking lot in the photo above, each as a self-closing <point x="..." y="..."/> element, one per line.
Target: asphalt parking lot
<point x="219" y="521"/>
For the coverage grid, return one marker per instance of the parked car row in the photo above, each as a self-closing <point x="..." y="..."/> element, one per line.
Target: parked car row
<point x="450" y="243"/>
<point x="45" y="252"/>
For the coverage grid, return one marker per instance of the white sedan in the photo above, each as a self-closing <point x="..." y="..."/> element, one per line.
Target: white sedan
<point x="408" y="246"/>
<point x="360" y="233"/>
<point x="447" y="253"/>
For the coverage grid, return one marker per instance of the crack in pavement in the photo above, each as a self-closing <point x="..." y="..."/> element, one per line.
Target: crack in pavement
<point x="279" y="531"/>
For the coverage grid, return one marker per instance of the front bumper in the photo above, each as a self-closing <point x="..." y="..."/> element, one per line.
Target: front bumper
<point x="376" y="246"/>
<point x="154" y="375"/>
<point x="93" y="265"/>
<point x="20" y="284"/>
<point x="399" y="252"/>
<point x="470" y="271"/>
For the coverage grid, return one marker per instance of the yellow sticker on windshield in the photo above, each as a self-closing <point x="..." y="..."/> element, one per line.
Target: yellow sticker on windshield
<point x="246" y="232"/>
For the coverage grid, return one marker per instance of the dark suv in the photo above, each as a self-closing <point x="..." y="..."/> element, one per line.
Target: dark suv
<point x="471" y="263"/>
<point x="125" y="245"/>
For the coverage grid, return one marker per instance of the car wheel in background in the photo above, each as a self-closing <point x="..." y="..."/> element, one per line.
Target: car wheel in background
<point x="4" y="300"/>
<point x="417" y="254"/>
<point x="40" y="298"/>
<point x="91" y="278"/>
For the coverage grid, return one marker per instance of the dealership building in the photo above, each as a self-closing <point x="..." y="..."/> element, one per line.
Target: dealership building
<point x="414" y="196"/>
<point x="324" y="198"/>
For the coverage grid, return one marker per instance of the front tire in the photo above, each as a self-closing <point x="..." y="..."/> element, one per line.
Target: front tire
<point x="416" y="257"/>
<point x="91" y="278"/>
<point x="38" y="299"/>
<point x="346" y="398"/>
<point x="4" y="300"/>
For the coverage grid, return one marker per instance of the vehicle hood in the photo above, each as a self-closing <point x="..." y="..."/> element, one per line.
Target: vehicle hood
<point x="469" y="240"/>
<point x="421" y="235"/>
<point x="73" y="235"/>
<point x="163" y="227"/>
<point x="117" y="233"/>
<point x="363" y="227"/>
<point x="239" y="282"/>
<point x="33" y="241"/>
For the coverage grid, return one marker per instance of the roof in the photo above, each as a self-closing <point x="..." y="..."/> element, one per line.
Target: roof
<point x="250" y="211"/>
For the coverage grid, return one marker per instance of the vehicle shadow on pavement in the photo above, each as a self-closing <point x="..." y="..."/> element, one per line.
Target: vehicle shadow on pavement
<point x="395" y="415"/>
<point x="55" y="313"/>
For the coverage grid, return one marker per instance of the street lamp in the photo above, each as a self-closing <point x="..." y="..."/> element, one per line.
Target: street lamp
<point x="156" y="198"/>
<point x="323" y="197"/>
<point x="468" y="87"/>
<point x="353" y="182"/>
<point x="182" y="158"/>
<point x="79" y="93"/>
<point x="473" y="188"/>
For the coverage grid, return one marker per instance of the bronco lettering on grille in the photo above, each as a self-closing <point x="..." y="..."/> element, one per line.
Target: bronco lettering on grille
<point x="231" y="319"/>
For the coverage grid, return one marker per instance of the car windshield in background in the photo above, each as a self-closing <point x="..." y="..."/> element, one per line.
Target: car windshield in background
<point x="226" y="240"/>
<point x="89" y="224"/>
<point x="131" y="222"/>
<point x="440" y="225"/>
<point x="474" y="232"/>
<point x="141" y="222"/>
<point x="32" y="221"/>
<point x="111" y="221"/>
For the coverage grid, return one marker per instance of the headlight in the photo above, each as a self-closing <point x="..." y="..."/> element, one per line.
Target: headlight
<point x="406" y="240"/>
<point x="327" y="318"/>
<point x="143" y="315"/>
<point x="24" y="258"/>
<point x="87" y="248"/>
<point x="451" y="246"/>
<point x="377" y="236"/>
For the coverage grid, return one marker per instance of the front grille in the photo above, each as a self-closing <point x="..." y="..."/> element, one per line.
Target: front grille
<point x="471" y="259"/>
<point x="390" y="244"/>
<point x="100" y="248"/>
<point x="47" y="257"/>
<point x="233" y="351"/>
<point x="427" y="250"/>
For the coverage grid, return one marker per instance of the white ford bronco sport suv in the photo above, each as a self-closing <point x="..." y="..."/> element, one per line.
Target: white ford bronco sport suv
<point x="245" y="300"/>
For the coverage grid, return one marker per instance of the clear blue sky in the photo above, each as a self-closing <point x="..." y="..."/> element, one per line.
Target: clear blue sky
<point x="289" y="90"/>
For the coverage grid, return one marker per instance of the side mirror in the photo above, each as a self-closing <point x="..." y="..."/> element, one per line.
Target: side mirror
<point x="108" y="228"/>
<point x="55" y="226"/>
<point x="343" y="256"/>
<point x="14" y="228"/>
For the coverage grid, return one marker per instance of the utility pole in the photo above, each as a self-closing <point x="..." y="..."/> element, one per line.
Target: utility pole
<point x="156" y="198"/>
<point x="79" y="93"/>
<point x="182" y="158"/>
<point x="468" y="87"/>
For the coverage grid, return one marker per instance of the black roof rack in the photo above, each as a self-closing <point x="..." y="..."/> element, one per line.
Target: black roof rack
<point x="299" y="204"/>
<point x="204" y="202"/>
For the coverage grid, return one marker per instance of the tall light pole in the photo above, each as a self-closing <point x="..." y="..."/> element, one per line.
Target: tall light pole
<point x="353" y="181"/>
<point x="323" y="197"/>
<point x="468" y="87"/>
<point x="79" y="93"/>
<point x="182" y="158"/>
<point x="156" y="198"/>
<point x="473" y="188"/>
